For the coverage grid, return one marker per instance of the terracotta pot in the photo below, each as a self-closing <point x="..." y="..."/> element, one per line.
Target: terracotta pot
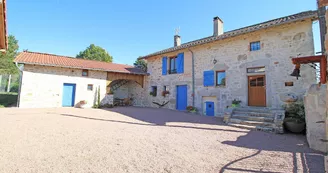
<point x="293" y="126"/>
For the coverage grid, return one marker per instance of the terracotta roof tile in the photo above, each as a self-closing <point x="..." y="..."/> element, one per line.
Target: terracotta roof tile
<point x="244" y="30"/>
<point x="70" y="62"/>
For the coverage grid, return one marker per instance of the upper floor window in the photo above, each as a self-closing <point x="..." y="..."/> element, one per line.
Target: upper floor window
<point x="173" y="65"/>
<point x="220" y="78"/>
<point x="85" y="72"/>
<point x="254" y="46"/>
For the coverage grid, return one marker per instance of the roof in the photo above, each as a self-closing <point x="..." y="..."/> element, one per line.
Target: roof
<point x="244" y="30"/>
<point x="45" y="59"/>
<point x="3" y="26"/>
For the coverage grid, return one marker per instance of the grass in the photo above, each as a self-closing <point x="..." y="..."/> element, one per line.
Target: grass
<point x="8" y="99"/>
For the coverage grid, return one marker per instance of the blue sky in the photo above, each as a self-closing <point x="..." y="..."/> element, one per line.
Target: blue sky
<point x="129" y="29"/>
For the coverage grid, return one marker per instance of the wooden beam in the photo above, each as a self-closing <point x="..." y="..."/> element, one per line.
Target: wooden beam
<point x="322" y="59"/>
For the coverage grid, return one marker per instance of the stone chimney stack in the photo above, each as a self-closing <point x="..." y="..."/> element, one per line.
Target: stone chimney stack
<point x="177" y="40"/>
<point x="217" y="26"/>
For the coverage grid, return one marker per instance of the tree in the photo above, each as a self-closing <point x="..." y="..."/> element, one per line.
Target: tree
<point x="140" y="63"/>
<point x="6" y="59"/>
<point x="94" y="52"/>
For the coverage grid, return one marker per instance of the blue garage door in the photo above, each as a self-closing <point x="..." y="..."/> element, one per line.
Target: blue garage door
<point x="182" y="97"/>
<point x="68" y="95"/>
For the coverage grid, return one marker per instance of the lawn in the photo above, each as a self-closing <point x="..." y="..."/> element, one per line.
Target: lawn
<point x="8" y="99"/>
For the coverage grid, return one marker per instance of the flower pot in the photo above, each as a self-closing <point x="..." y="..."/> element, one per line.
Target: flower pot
<point x="294" y="126"/>
<point x="235" y="105"/>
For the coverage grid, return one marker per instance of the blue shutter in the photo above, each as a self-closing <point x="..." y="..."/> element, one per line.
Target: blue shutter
<point x="180" y="63"/>
<point x="164" y="65"/>
<point x="209" y="78"/>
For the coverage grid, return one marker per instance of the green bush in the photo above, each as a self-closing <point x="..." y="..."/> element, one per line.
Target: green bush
<point x="8" y="99"/>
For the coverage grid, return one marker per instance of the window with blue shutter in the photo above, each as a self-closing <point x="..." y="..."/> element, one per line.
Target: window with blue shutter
<point x="209" y="78"/>
<point x="164" y="65"/>
<point x="180" y="63"/>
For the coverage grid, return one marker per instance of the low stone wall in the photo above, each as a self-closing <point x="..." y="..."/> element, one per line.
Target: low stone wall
<point x="316" y="117"/>
<point x="108" y="100"/>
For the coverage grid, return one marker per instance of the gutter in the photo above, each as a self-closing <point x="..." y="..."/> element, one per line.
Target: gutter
<point x="193" y="76"/>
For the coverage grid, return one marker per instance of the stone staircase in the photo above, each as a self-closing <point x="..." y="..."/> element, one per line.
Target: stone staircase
<point x="255" y="118"/>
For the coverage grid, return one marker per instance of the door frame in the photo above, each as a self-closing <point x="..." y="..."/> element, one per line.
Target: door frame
<point x="265" y="90"/>
<point x="74" y="93"/>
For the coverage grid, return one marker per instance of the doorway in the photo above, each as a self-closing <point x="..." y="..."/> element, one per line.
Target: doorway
<point x="256" y="91"/>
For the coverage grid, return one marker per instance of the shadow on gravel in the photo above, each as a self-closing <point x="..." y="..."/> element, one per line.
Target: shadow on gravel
<point x="144" y="124"/>
<point x="162" y="116"/>
<point x="311" y="160"/>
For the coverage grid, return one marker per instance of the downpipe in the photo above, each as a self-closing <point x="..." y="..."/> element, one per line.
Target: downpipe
<point x="193" y="76"/>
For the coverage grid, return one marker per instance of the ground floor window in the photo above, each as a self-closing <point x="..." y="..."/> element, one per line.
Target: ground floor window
<point x="153" y="91"/>
<point x="90" y="87"/>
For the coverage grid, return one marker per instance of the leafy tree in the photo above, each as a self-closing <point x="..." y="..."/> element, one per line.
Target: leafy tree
<point x="140" y="63"/>
<point x="94" y="52"/>
<point x="6" y="59"/>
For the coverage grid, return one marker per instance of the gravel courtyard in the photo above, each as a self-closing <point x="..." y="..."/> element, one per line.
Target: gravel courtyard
<point x="129" y="139"/>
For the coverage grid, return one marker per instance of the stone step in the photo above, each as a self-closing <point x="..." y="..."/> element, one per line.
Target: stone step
<point x="259" y="128"/>
<point x="253" y="109"/>
<point x="250" y="113"/>
<point x="253" y="118"/>
<point x="251" y="123"/>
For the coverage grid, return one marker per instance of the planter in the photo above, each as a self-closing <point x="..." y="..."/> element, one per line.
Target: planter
<point x="293" y="126"/>
<point x="235" y="105"/>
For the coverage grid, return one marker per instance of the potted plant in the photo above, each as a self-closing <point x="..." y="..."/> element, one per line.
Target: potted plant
<point x="164" y="93"/>
<point x="235" y="103"/>
<point x="82" y="103"/>
<point x="295" y="117"/>
<point x="192" y="109"/>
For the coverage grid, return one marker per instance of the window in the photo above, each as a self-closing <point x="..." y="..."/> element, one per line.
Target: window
<point x="90" y="87"/>
<point x="256" y="70"/>
<point x="166" y="88"/>
<point x="254" y="46"/>
<point x="173" y="65"/>
<point x="220" y="78"/>
<point x="85" y="72"/>
<point x="289" y="84"/>
<point x="153" y="91"/>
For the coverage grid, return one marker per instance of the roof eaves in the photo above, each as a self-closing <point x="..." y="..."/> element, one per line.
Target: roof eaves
<point x="75" y="67"/>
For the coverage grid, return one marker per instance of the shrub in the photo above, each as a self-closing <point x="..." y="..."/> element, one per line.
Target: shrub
<point x="191" y="109"/>
<point x="8" y="99"/>
<point x="295" y="111"/>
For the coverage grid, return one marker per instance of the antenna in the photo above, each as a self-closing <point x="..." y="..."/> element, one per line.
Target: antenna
<point x="177" y="30"/>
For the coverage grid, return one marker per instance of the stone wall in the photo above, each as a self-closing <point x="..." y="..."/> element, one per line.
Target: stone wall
<point x="278" y="45"/>
<point x="316" y="110"/>
<point x="42" y="86"/>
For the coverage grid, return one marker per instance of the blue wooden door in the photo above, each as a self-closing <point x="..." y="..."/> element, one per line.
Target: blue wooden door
<point x="68" y="95"/>
<point x="181" y="97"/>
<point x="209" y="108"/>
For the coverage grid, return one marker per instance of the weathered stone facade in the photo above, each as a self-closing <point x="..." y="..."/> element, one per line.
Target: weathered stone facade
<point x="278" y="45"/>
<point x="42" y="86"/>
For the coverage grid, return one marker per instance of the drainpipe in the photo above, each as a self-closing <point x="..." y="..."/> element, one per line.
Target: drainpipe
<point x="20" y="82"/>
<point x="193" y="76"/>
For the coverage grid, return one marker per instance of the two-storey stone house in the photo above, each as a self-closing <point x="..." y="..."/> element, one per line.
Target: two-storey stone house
<point x="251" y="64"/>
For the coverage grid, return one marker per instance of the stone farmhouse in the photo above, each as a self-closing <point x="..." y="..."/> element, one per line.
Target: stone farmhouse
<point x="251" y="64"/>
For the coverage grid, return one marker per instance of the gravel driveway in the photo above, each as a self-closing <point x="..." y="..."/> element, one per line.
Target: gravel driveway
<point x="130" y="139"/>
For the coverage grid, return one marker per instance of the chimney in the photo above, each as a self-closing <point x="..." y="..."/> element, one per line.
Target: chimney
<point x="217" y="26"/>
<point x="177" y="40"/>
